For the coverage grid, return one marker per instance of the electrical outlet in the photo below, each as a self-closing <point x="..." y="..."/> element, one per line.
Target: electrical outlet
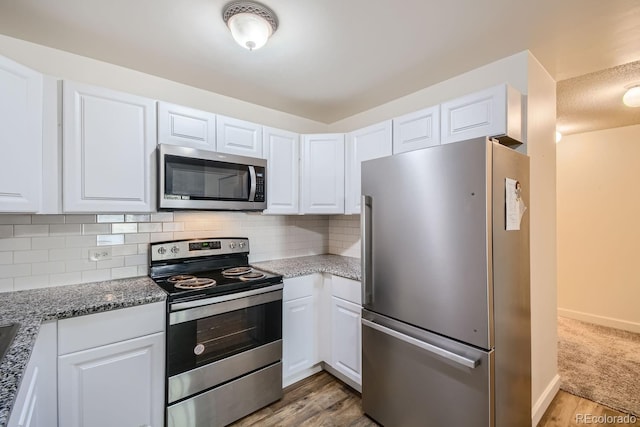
<point x="99" y="254"/>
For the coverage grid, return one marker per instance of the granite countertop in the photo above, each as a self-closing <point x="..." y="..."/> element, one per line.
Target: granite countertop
<point x="337" y="265"/>
<point x="32" y="307"/>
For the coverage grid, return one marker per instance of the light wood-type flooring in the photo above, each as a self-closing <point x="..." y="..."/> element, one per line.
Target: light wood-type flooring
<point x="322" y="400"/>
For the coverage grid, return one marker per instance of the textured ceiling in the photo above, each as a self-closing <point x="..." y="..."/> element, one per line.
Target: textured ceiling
<point x="331" y="59"/>
<point x="594" y="101"/>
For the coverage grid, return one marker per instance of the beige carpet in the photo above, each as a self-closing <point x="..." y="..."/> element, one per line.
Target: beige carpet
<point x="600" y="364"/>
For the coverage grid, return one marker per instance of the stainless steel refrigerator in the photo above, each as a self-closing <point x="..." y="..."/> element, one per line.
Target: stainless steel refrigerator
<point x="446" y="335"/>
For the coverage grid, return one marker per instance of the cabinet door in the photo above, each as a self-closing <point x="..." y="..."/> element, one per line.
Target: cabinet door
<point x="108" y="143"/>
<point x="36" y="404"/>
<point x="20" y="137"/>
<point x="491" y="112"/>
<point x="235" y="136"/>
<point x="186" y="126"/>
<point x="346" y="340"/>
<point x="322" y="190"/>
<point x="120" y="384"/>
<point x="364" y="144"/>
<point x="282" y="151"/>
<point x="298" y="336"/>
<point x="420" y="129"/>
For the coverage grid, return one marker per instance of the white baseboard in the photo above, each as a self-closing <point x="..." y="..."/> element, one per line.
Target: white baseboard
<point x="301" y="375"/>
<point x="544" y="400"/>
<point x="600" y="320"/>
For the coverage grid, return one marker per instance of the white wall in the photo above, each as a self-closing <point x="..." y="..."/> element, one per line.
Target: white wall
<point x="598" y="231"/>
<point x="65" y="65"/>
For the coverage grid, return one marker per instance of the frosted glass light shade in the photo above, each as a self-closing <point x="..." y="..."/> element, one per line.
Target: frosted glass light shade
<point x="631" y="97"/>
<point x="249" y="30"/>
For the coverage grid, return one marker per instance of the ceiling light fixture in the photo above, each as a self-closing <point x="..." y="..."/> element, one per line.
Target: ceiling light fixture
<point x="631" y="97"/>
<point x="251" y="24"/>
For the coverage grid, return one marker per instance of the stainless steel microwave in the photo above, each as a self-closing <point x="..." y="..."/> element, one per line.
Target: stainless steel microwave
<point x="205" y="180"/>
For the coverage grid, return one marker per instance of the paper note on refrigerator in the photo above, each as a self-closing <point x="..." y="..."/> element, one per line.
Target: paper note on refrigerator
<point x="515" y="205"/>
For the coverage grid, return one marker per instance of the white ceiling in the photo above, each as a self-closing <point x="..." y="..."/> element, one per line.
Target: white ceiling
<point x="330" y="59"/>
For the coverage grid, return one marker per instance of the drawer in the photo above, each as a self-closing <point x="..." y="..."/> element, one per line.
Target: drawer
<point x="347" y="289"/>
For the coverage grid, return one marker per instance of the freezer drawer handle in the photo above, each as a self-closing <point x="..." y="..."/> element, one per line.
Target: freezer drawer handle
<point x="423" y="345"/>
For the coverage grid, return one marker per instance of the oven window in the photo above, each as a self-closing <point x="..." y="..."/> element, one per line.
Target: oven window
<point x="199" y="342"/>
<point x="206" y="179"/>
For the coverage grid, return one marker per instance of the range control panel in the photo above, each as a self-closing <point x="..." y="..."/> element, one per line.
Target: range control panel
<point x="184" y="249"/>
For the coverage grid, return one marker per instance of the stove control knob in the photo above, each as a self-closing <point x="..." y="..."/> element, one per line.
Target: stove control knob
<point x="175" y="250"/>
<point x="232" y="245"/>
<point x="162" y="250"/>
<point x="241" y="245"/>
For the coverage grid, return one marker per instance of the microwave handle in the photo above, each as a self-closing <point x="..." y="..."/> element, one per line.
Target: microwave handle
<point x="252" y="179"/>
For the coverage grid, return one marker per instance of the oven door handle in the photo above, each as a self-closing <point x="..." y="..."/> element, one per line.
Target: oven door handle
<point x="208" y="307"/>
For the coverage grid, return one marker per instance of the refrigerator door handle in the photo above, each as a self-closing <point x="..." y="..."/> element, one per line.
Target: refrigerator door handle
<point x="366" y="254"/>
<point x="464" y="361"/>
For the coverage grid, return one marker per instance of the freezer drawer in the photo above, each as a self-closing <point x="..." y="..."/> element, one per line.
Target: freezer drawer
<point x="415" y="378"/>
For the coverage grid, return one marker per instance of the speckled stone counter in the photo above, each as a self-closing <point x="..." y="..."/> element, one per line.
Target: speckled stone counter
<point x="333" y="264"/>
<point x="32" y="307"/>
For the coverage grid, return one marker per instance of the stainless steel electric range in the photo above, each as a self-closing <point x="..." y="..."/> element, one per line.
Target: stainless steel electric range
<point x="224" y="330"/>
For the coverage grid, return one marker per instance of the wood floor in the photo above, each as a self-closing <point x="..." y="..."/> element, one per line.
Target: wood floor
<point x="322" y="400"/>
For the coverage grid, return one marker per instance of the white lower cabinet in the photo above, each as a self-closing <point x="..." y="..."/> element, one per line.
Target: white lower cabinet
<point x="111" y="368"/>
<point x="321" y="323"/>
<point x="35" y="404"/>
<point x="299" y="331"/>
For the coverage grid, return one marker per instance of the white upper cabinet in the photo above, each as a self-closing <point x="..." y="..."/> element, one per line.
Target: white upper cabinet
<point x="109" y="139"/>
<point x="21" y="98"/>
<point x="322" y="171"/>
<point x="368" y="143"/>
<point x="420" y="129"/>
<point x="496" y="111"/>
<point x="238" y="137"/>
<point x="282" y="151"/>
<point x="186" y="126"/>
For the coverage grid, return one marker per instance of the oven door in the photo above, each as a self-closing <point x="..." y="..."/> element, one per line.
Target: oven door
<point x="228" y="337"/>
<point x="199" y="179"/>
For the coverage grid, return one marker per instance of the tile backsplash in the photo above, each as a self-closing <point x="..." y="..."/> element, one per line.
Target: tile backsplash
<point x="51" y="250"/>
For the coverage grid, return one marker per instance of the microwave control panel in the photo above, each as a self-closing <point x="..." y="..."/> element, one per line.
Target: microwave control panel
<point x="259" y="197"/>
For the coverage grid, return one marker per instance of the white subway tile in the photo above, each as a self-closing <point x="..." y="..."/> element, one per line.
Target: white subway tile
<point x="79" y="241"/>
<point x="122" y="272"/>
<point x="80" y="265"/>
<point x="110" y="218"/>
<point x="15" y="270"/>
<point x="135" y="260"/>
<point x="137" y="218"/>
<point x="65" y="254"/>
<point x="23" y="257"/>
<point x="162" y="217"/>
<point x="15" y="219"/>
<point x="122" y="250"/>
<point x="6" y="257"/>
<point x="65" y="279"/>
<point x="47" y="242"/>
<point x="31" y="282"/>
<point x="96" y="275"/>
<point x="160" y="237"/>
<point x="6" y="285"/>
<point x="173" y="226"/>
<point x="109" y="239"/>
<point x="6" y="231"/>
<point x="30" y="230"/>
<point x="91" y="229"/>
<point x="15" y="244"/>
<point x="150" y="227"/>
<point x="80" y="219"/>
<point x="136" y="238"/>
<point x="143" y="249"/>
<point x="47" y="219"/>
<point x="117" y="261"/>
<point x="143" y="270"/>
<point x="65" y="229"/>
<point x="51" y="267"/>
<point x="124" y="228"/>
